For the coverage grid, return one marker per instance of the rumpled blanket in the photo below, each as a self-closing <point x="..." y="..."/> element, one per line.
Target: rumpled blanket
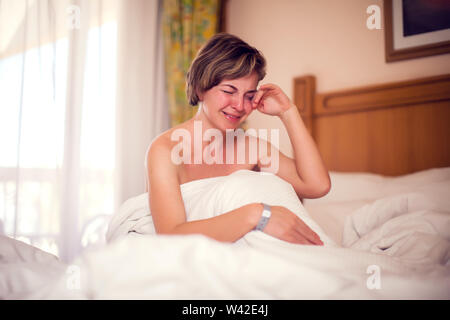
<point x="210" y="197"/>
<point x="413" y="226"/>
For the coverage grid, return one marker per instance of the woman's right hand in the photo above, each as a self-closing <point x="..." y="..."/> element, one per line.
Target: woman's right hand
<point x="285" y="225"/>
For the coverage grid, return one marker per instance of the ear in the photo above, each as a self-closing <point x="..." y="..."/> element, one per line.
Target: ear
<point x="199" y="95"/>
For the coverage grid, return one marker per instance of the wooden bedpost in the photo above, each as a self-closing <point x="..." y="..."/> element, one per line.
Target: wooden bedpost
<point x="304" y="93"/>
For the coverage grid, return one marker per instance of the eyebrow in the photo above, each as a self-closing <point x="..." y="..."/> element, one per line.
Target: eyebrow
<point x="233" y="87"/>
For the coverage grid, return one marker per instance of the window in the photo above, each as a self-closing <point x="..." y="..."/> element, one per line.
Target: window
<point x="34" y="143"/>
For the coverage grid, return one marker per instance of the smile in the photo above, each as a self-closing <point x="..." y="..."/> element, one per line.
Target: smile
<point x="231" y="117"/>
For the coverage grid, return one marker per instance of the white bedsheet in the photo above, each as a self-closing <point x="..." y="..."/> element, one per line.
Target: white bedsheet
<point x="141" y="265"/>
<point x="413" y="226"/>
<point x="24" y="269"/>
<point x="195" y="267"/>
<point x="352" y="191"/>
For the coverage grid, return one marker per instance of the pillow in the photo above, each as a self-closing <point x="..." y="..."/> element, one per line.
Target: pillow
<point x="211" y="197"/>
<point x="351" y="186"/>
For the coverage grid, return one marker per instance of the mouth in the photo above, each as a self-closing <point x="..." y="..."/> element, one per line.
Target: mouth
<point x="231" y="117"/>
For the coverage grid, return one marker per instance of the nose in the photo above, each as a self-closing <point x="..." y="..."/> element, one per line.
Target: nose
<point x="238" y="104"/>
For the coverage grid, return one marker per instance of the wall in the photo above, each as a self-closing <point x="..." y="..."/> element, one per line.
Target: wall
<point x="326" y="38"/>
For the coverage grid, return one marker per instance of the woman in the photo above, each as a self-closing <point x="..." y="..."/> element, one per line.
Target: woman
<point x="223" y="80"/>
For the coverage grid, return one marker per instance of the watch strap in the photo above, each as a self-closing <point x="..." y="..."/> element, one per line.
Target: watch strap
<point x="265" y="216"/>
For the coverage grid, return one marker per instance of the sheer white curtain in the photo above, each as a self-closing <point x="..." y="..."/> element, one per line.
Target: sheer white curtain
<point x="142" y="93"/>
<point x="81" y="97"/>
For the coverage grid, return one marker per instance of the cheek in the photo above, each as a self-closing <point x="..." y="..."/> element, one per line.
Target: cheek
<point x="248" y="106"/>
<point x="221" y="102"/>
<point x="214" y="103"/>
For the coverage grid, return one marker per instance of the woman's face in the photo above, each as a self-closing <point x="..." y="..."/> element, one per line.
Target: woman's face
<point x="229" y="103"/>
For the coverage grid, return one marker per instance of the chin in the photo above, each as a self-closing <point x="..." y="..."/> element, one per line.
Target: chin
<point x="229" y="126"/>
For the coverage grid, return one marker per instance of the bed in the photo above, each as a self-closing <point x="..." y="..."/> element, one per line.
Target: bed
<point x="369" y="135"/>
<point x="385" y="223"/>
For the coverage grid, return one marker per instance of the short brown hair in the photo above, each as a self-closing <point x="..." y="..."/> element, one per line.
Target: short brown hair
<point x="224" y="56"/>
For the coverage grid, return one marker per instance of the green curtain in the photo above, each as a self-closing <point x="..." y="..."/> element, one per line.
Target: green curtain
<point x="187" y="25"/>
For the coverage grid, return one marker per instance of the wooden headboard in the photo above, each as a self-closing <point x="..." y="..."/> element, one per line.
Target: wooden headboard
<point x="391" y="129"/>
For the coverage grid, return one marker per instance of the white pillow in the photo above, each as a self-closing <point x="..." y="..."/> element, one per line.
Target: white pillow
<point x="351" y="186"/>
<point x="212" y="197"/>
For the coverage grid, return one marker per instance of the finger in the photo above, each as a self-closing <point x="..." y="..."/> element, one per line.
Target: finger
<point x="317" y="242"/>
<point x="267" y="86"/>
<point x="308" y="233"/>
<point x="314" y="243"/>
<point x="304" y="240"/>
<point x="257" y="98"/>
<point x="260" y="104"/>
<point x="314" y="238"/>
<point x="262" y="92"/>
<point x="298" y="239"/>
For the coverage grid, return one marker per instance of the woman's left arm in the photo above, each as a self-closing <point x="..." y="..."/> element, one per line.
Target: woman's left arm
<point x="306" y="172"/>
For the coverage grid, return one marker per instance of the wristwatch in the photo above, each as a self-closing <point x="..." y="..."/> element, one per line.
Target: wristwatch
<point x="265" y="216"/>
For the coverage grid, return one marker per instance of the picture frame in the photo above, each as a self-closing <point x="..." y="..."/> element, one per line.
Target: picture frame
<point x="416" y="28"/>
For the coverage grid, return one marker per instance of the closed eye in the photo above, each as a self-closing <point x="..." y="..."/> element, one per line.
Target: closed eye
<point x="228" y="92"/>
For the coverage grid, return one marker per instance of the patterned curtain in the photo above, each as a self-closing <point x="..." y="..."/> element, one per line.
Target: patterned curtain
<point x="187" y="25"/>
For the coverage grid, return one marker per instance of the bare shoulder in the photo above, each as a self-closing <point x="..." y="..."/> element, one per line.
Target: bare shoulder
<point x="157" y="150"/>
<point x="163" y="183"/>
<point x="161" y="146"/>
<point x="158" y="160"/>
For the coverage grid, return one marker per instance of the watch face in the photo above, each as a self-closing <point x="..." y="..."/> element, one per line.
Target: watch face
<point x="266" y="213"/>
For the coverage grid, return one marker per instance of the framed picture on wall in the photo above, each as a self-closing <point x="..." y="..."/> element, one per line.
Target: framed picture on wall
<point x="416" y="28"/>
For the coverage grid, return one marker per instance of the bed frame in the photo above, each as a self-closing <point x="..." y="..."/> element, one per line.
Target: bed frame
<point x="390" y="129"/>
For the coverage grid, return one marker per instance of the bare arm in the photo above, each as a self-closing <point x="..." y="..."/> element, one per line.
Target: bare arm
<point x="169" y="217"/>
<point x="306" y="172"/>
<point x="228" y="227"/>
<point x="314" y="180"/>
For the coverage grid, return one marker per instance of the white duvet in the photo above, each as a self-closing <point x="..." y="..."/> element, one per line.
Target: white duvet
<point x="384" y="258"/>
<point x="210" y="197"/>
